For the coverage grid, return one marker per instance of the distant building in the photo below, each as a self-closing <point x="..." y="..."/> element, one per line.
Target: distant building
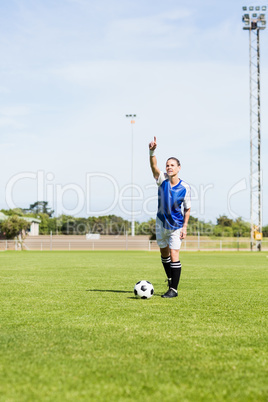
<point x="34" y="223"/>
<point x="34" y="228"/>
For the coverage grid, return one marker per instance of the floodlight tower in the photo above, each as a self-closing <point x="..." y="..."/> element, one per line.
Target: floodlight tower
<point x="132" y="121"/>
<point x="254" y="21"/>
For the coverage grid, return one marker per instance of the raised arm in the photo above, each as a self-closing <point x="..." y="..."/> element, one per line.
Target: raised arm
<point x="153" y="161"/>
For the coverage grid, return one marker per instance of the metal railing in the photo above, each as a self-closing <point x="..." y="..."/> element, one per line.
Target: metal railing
<point x="69" y="243"/>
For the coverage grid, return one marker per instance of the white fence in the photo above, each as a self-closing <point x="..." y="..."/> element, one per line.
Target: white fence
<point x="69" y="243"/>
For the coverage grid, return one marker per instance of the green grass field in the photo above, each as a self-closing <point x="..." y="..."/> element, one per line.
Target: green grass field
<point x="71" y="329"/>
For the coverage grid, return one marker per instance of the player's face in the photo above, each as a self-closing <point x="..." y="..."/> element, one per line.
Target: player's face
<point x="172" y="167"/>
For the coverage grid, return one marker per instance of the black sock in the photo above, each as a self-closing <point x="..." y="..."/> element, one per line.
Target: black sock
<point x="166" y="264"/>
<point x="175" y="274"/>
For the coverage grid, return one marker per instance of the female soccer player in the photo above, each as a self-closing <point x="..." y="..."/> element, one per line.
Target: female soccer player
<point x="173" y="213"/>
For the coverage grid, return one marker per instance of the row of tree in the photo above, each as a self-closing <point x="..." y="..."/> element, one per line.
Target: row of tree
<point x="13" y="227"/>
<point x="111" y="224"/>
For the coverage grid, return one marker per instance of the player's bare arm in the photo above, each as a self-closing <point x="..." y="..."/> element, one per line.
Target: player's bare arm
<point x="185" y="223"/>
<point x="153" y="161"/>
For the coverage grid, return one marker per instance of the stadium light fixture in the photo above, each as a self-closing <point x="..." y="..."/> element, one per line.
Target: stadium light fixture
<point x="132" y="121"/>
<point x="254" y="22"/>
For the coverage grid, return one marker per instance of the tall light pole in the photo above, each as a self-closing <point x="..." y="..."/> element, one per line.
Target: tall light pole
<point x="132" y="121"/>
<point x="254" y="21"/>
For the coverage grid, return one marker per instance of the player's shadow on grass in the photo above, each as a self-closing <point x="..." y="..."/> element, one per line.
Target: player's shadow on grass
<point x="117" y="291"/>
<point x="108" y="290"/>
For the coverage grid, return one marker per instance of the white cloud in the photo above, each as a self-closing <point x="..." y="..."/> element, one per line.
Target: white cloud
<point x="15" y="110"/>
<point x="149" y="26"/>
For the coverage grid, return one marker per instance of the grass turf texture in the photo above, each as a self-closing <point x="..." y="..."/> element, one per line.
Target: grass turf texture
<point x="71" y="329"/>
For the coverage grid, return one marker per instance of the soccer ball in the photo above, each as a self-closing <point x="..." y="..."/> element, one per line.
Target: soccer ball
<point x="143" y="289"/>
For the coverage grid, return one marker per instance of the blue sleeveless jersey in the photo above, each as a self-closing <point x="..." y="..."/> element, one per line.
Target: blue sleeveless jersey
<point x="172" y="201"/>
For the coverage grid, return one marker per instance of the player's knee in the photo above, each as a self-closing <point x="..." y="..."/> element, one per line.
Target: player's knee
<point x="174" y="254"/>
<point x="165" y="252"/>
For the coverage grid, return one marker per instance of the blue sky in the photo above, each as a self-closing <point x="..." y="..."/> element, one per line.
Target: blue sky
<point x="72" y="69"/>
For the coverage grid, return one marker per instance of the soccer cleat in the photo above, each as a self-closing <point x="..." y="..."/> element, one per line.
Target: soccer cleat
<point x="170" y="293"/>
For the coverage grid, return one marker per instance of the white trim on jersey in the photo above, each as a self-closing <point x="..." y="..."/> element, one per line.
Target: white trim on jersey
<point x="187" y="198"/>
<point x="162" y="177"/>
